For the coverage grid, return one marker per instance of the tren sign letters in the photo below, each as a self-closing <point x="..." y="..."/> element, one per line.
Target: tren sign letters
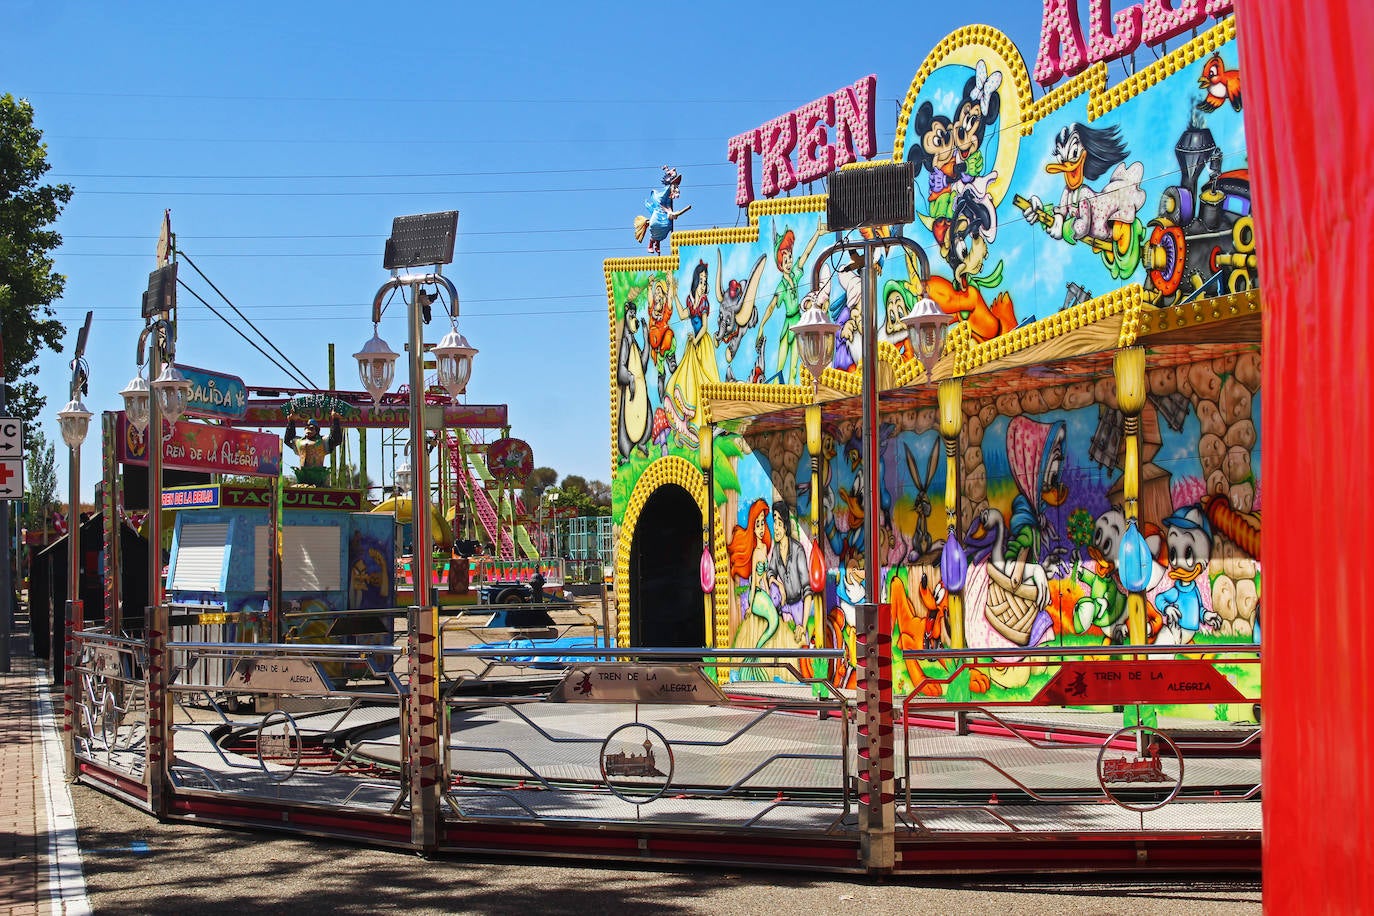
<point x="804" y="131"/>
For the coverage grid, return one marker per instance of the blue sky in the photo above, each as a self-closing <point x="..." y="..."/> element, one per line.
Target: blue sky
<point x="285" y="137"/>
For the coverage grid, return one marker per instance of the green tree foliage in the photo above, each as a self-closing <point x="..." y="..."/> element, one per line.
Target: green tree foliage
<point x="540" y="480"/>
<point x="41" y="495"/>
<point x="28" y="283"/>
<point x="587" y="498"/>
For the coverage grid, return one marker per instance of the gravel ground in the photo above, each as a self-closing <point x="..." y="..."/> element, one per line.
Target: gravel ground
<point x="135" y="865"/>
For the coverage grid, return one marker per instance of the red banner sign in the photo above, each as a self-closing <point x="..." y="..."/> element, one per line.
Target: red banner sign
<point x="198" y="447"/>
<point x="1120" y="683"/>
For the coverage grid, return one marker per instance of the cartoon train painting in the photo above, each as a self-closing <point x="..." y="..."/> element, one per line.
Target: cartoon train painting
<point x="1202" y="243"/>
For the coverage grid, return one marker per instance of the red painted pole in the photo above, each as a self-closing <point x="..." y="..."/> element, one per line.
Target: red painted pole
<point x="1306" y="70"/>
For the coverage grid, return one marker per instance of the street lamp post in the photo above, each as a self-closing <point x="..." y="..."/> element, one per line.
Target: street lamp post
<point x="817" y="340"/>
<point x="376" y="370"/>
<point x="148" y="407"/>
<point x="75" y="421"/>
<point x="425" y="239"/>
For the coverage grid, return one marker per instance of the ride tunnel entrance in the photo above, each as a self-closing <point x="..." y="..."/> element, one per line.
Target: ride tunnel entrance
<point x="666" y="604"/>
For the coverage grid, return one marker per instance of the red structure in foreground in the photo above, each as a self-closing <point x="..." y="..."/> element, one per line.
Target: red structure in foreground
<point x="1319" y="335"/>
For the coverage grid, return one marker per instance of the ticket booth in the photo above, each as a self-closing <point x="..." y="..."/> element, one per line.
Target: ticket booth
<point x="334" y="563"/>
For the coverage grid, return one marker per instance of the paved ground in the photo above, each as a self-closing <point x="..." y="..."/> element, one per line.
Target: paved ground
<point x="184" y="869"/>
<point x="129" y="864"/>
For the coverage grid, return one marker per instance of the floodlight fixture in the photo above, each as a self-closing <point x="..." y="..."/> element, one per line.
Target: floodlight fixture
<point x="871" y="195"/>
<point x="421" y="240"/>
<point x="161" y="295"/>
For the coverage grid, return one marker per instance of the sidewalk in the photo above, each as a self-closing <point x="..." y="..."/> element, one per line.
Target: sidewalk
<point x="40" y="864"/>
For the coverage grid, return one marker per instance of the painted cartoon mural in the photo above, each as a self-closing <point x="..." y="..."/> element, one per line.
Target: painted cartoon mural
<point x="1053" y="232"/>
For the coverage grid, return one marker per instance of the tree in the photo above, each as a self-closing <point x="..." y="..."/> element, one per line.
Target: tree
<point x="28" y="283"/>
<point x="540" y="480"/>
<point x="576" y="492"/>
<point x="42" y="490"/>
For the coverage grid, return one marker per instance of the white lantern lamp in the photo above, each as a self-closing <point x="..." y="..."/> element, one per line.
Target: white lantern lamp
<point x="815" y="334"/>
<point x="926" y="325"/>
<point x="136" y="396"/>
<point x="403" y="477"/>
<point x="75" y="421"/>
<point x="172" y="389"/>
<point x="376" y="366"/>
<point x="453" y="357"/>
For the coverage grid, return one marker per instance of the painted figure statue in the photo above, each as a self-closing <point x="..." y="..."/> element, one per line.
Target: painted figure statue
<point x="311" y="448"/>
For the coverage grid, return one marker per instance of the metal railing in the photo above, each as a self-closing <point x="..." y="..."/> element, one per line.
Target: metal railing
<point x="1042" y="765"/>
<point x="340" y="737"/>
<point x="775" y="760"/>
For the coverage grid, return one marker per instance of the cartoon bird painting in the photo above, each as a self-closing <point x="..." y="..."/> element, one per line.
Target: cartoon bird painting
<point x="1222" y="85"/>
<point x="1105" y="220"/>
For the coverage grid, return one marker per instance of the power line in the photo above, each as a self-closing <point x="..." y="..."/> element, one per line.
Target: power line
<point x="538" y="100"/>
<point x="331" y="254"/>
<point x="380" y="175"/>
<point x="244" y="317"/>
<point x="393" y="193"/>
<point x="144" y="236"/>
<point x="476" y="316"/>
<point x="251" y="343"/>
<point x="343" y="141"/>
<point x="354" y="305"/>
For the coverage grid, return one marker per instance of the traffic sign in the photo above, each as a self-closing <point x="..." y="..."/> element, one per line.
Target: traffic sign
<point x="11" y="437"/>
<point x="12" y="478"/>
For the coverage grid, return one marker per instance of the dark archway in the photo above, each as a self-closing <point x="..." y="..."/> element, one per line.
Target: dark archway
<point x="667" y="607"/>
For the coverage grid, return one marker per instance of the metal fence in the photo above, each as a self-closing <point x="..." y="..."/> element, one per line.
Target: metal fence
<point x="651" y="752"/>
<point x="1031" y="768"/>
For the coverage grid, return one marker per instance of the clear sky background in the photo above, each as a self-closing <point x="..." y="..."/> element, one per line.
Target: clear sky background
<point x="284" y="137"/>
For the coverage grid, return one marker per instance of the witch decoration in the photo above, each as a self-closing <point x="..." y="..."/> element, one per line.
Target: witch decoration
<point x="657" y="220"/>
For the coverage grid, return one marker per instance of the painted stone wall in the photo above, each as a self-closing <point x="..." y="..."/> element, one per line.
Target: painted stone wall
<point x="1040" y="502"/>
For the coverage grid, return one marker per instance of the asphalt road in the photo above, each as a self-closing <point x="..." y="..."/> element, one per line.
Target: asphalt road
<point x="135" y="865"/>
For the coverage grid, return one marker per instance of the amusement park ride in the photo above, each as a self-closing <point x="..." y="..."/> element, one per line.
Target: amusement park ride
<point x="932" y="590"/>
